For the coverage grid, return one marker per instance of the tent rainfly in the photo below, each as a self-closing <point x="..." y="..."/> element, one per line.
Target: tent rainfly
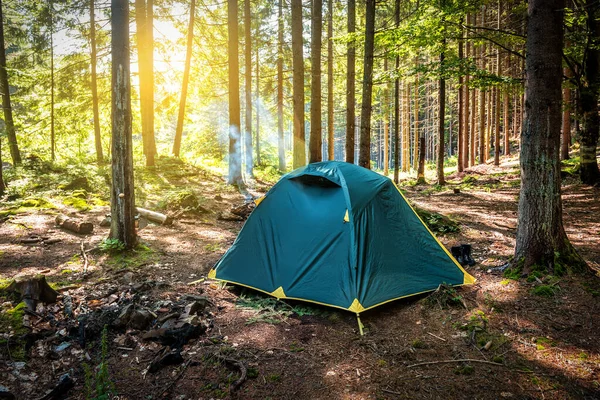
<point x="339" y="235"/>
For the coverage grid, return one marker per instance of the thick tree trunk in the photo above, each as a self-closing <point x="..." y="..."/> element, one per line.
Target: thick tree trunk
<point x="6" y="105"/>
<point x="235" y="151"/>
<point x="330" y="138"/>
<point x="417" y="146"/>
<point x="186" y="79"/>
<point x="298" y="85"/>
<point x="406" y="129"/>
<point x="467" y="108"/>
<point x="588" y="99"/>
<point x="364" y="158"/>
<point x="540" y="233"/>
<point x="351" y="86"/>
<point x="280" y="141"/>
<point x="2" y="184"/>
<point x="386" y="123"/>
<point x="94" y="84"/>
<point x="122" y="196"/>
<point x="315" y="143"/>
<point x="248" y="89"/>
<point x="441" y="120"/>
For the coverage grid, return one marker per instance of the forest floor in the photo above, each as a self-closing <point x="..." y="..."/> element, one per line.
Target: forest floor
<point x="535" y="338"/>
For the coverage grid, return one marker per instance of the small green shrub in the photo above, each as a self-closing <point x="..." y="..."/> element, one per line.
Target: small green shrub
<point x="110" y="245"/>
<point x="98" y="385"/>
<point x="545" y="290"/>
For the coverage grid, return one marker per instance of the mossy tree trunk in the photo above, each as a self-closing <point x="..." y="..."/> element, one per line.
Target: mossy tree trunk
<point x="540" y="232"/>
<point x="122" y="195"/>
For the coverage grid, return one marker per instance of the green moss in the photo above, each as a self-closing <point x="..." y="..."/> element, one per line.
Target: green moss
<point x="545" y="290"/>
<point x="133" y="259"/>
<point x="464" y="370"/>
<point x="77" y="203"/>
<point x="419" y="344"/>
<point x="12" y="320"/>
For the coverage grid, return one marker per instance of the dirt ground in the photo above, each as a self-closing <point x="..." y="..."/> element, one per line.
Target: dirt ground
<point x="518" y="345"/>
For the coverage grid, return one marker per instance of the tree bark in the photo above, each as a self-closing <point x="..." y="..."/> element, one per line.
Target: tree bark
<point x="122" y="196"/>
<point x="6" y="104"/>
<point x="52" y="131"/>
<point x="441" y="120"/>
<point x="540" y="233"/>
<point x="186" y="79"/>
<point x="416" y="142"/>
<point x="94" y="84"/>
<point x="315" y="142"/>
<point x="280" y="141"/>
<point x="330" y="138"/>
<point x="589" y="95"/>
<point x="364" y="158"/>
<point x="421" y="167"/>
<point x="235" y="151"/>
<point x="257" y="100"/>
<point x="386" y="123"/>
<point x="2" y="184"/>
<point x="566" y="119"/>
<point x="144" y="16"/>
<point x="298" y="85"/>
<point x="461" y="111"/>
<point x="397" y="106"/>
<point x="248" y="90"/>
<point x="351" y="86"/>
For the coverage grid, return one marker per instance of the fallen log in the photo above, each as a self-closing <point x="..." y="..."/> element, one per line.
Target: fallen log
<point x="154" y="216"/>
<point x="73" y="225"/>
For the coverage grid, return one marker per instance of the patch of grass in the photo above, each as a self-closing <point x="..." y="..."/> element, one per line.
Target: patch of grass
<point x="212" y="247"/>
<point x="272" y="311"/>
<point x="295" y="347"/>
<point x="267" y="174"/>
<point x="185" y="199"/>
<point x="138" y="257"/>
<point x="418" y="344"/>
<point x="446" y="297"/>
<point x="274" y="377"/>
<point x="545" y="290"/>
<point x="505" y="282"/>
<point x="111" y="245"/>
<point x="78" y="200"/>
<point x="513" y="273"/>
<point x="542" y="343"/>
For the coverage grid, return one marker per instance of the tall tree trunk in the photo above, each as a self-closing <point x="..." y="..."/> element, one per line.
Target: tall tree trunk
<point x="467" y="108"/>
<point x="235" y="151"/>
<point x="540" y="232"/>
<point x="257" y="103"/>
<point x="2" y="184"/>
<point x="406" y="128"/>
<point x="461" y="111"/>
<point x="186" y="79"/>
<point x="52" y="131"/>
<point x="364" y="158"/>
<point x="6" y="105"/>
<point x="442" y="117"/>
<point x="482" y="127"/>
<point x="386" y="123"/>
<point x="144" y="24"/>
<point x="588" y="99"/>
<point x="122" y="195"/>
<point x="280" y="141"/>
<point x="94" y="61"/>
<point x="298" y="85"/>
<point x="330" y="138"/>
<point x="351" y="86"/>
<point x="248" y="90"/>
<point x="315" y="142"/>
<point x="397" y="106"/>
<point x="416" y="142"/>
<point x="566" y="119"/>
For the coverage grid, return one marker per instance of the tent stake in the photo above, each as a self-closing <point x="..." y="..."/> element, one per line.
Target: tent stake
<point x="360" y="325"/>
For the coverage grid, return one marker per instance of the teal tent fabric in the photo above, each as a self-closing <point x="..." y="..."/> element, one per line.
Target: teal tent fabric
<point x="340" y="235"/>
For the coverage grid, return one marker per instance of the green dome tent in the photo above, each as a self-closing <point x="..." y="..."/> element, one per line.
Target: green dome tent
<point x="340" y="235"/>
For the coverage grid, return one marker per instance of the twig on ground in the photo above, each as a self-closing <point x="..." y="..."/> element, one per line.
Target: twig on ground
<point x="456" y="361"/>
<point x="436" y="336"/>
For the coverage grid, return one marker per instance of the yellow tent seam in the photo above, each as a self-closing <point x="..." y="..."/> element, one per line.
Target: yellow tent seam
<point x="468" y="278"/>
